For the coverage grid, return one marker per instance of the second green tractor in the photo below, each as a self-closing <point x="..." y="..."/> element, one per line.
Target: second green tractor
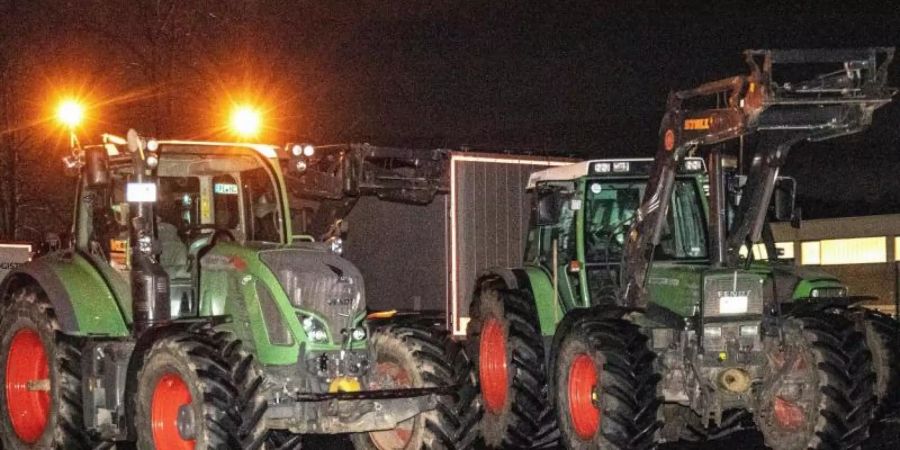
<point x="640" y="316"/>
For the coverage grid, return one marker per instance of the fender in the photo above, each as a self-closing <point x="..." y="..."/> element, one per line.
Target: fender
<point x="536" y="283"/>
<point x="816" y="304"/>
<point x="84" y="304"/>
<point x="510" y="278"/>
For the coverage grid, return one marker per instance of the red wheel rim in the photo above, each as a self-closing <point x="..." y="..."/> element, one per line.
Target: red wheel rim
<point x="788" y="415"/>
<point x="169" y="395"/>
<point x="492" y="371"/>
<point x="583" y="383"/>
<point x="27" y="383"/>
<point x="399" y="437"/>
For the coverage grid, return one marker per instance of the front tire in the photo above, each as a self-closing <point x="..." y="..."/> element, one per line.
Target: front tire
<point x="606" y="387"/>
<point x="507" y="348"/>
<point x="198" y="389"/>
<point x="413" y="355"/>
<point x="40" y="378"/>
<point x="823" y="397"/>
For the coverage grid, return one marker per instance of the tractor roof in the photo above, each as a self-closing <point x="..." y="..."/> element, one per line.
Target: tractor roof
<point x="625" y="167"/>
<point x="114" y="143"/>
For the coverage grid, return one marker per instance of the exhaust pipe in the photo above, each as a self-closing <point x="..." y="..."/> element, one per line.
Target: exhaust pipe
<point x="149" y="282"/>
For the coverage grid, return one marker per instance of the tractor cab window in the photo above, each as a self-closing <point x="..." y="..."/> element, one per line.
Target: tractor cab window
<point x="200" y="191"/>
<point x="264" y="221"/>
<point x="609" y="211"/>
<point x="553" y="223"/>
<point x="226" y="204"/>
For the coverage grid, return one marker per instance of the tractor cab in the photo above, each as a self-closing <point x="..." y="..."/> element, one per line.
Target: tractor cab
<point x="582" y="213"/>
<point x="206" y="193"/>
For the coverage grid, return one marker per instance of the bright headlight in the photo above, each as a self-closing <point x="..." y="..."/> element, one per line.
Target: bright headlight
<point x="358" y="334"/>
<point x="828" y="292"/>
<point x="315" y="329"/>
<point x="336" y="245"/>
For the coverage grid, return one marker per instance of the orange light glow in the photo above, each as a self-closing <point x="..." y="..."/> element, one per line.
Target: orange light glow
<point x="246" y="121"/>
<point x="70" y="113"/>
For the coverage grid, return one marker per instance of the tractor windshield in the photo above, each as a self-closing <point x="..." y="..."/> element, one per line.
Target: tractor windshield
<point x="610" y="207"/>
<point x="232" y="192"/>
<point x="201" y="190"/>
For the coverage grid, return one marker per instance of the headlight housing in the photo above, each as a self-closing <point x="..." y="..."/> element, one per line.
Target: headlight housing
<point x="358" y="334"/>
<point x="315" y="329"/>
<point x="831" y="291"/>
<point x="336" y="245"/>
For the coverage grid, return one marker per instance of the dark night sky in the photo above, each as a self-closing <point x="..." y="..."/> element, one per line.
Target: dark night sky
<point x="584" y="78"/>
<point x="592" y="78"/>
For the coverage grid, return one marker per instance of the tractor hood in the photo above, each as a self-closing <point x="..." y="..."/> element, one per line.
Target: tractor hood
<point x="318" y="281"/>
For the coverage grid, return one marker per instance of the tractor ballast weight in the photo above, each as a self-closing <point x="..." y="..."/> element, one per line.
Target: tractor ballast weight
<point x="783" y="113"/>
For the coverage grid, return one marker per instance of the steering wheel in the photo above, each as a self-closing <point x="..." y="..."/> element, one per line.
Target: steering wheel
<point x="195" y="231"/>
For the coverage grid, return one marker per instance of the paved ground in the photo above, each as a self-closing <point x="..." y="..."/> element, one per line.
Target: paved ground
<point x="885" y="437"/>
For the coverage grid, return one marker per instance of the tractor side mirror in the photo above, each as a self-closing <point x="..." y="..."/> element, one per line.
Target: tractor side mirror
<point x="785" y="200"/>
<point x="96" y="166"/>
<point x="797" y="218"/>
<point x="548" y="206"/>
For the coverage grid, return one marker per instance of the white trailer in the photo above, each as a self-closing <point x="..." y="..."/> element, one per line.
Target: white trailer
<point x="12" y="255"/>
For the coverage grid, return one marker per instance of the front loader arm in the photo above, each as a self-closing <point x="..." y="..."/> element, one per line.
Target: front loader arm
<point x="829" y="105"/>
<point x="336" y="176"/>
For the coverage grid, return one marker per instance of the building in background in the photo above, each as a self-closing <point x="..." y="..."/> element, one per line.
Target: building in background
<point x="863" y="252"/>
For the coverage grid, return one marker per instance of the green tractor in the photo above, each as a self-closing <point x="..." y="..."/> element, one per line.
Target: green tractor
<point x="639" y="316"/>
<point x="188" y="315"/>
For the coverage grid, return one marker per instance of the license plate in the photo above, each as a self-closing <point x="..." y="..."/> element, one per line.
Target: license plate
<point x="733" y="304"/>
<point x="140" y="192"/>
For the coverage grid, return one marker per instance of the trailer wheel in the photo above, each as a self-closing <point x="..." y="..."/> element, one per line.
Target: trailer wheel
<point x="198" y="389"/>
<point x="817" y="387"/>
<point x="883" y="340"/>
<point x="507" y="349"/>
<point x="411" y="355"/>
<point x="605" y="386"/>
<point x="40" y="378"/>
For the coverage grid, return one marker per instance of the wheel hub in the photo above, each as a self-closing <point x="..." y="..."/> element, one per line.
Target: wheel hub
<point x="393" y="376"/>
<point x="171" y="417"/>
<point x="584" y="397"/>
<point x="28" y="385"/>
<point x="492" y="368"/>
<point x="185" y="424"/>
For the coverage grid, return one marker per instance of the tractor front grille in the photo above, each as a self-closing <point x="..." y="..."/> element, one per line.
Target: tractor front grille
<point x="732" y="294"/>
<point x="319" y="282"/>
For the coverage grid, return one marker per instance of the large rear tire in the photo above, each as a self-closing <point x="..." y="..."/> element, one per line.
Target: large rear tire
<point x="817" y="389"/>
<point x="40" y="378"/>
<point x="883" y="340"/>
<point x="507" y="349"/>
<point x="198" y="390"/>
<point x="413" y="355"/>
<point x="606" y="387"/>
